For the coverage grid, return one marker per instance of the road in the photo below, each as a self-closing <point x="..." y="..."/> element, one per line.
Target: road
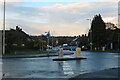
<point x="45" y="67"/>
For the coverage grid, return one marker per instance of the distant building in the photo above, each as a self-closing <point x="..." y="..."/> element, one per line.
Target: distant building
<point x="60" y="40"/>
<point x="113" y="38"/>
<point x="75" y="41"/>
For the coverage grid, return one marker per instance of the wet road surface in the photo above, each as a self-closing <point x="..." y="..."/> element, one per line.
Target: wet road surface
<point x="45" y="67"/>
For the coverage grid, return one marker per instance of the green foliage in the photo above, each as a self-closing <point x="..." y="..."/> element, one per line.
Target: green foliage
<point x="108" y="51"/>
<point x="36" y="44"/>
<point x="15" y="39"/>
<point x="98" y="31"/>
<point x="18" y="40"/>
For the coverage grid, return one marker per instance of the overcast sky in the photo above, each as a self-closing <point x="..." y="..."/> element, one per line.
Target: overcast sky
<point x="58" y="17"/>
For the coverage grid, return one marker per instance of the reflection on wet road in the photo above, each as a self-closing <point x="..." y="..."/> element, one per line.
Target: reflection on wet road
<point x="45" y="67"/>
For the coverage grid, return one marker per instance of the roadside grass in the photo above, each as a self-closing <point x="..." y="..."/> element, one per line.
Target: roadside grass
<point x="30" y="53"/>
<point x="111" y="51"/>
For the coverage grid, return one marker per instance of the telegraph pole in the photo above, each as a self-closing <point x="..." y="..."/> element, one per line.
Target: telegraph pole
<point x="118" y="41"/>
<point x="3" y="32"/>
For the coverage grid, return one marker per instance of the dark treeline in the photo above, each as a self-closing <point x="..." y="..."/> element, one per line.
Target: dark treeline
<point x="100" y="34"/>
<point x="103" y="35"/>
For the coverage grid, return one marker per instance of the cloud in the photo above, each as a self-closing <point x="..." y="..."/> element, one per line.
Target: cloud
<point x="107" y="0"/>
<point x="70" y="8"/>
<point x="61" y="0"/>
<point x="67" y="19"/>
<point x="109" y="19"/>
<point x="73" y="12"/>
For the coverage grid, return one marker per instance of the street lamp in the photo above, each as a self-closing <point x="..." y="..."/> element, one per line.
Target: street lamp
<point x="90" y="35"/>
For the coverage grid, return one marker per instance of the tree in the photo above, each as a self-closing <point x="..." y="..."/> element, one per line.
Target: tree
<point x="98" y="31"/>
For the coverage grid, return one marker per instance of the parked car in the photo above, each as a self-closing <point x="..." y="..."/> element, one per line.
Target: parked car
<point x="73" y="48"/>
<point x="66" y="48"/>
<point x="56" y="48"/>
<point x="84" y="48"/>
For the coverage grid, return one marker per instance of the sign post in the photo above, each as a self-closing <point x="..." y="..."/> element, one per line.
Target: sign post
<point x="48" y="36"/>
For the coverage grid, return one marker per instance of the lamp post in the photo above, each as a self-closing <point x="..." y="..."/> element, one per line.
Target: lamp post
<point x="90" y="35"/>
<point x="3" y="32"/>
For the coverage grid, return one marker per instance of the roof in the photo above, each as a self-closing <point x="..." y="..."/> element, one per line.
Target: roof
<point x="76" y="39"/>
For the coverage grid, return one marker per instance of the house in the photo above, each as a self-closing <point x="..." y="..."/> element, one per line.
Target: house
<point x="75" y="41"/>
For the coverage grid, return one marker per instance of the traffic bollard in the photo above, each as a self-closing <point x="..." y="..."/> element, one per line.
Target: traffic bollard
<point x="78" y="50"/>
<point x="61" y="53"/>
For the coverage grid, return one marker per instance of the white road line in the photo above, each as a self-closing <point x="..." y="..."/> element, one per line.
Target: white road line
<point x="69" y="73"/>
<point x="66" y="65"/>
<point x="83" y="72"/>
<point x="67" y="68"/>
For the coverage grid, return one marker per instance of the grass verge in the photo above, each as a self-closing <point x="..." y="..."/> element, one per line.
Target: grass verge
<point x="29" y="53"/>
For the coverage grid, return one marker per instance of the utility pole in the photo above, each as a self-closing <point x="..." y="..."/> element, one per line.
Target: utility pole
<point x="90" y="35"/>
<point x="3" y="32"/>
<point x="118" y="41"/>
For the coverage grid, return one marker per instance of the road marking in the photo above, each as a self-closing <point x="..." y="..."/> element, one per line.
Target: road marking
<point x="83" y="72"/>
<point x="66" y="65"/>
<point x="69" y="73"/>
<point x="117" y="56"/>
<point x="67" y="56"/>
<point x="67" y="68"/>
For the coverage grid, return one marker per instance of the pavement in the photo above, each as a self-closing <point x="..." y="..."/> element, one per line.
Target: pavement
<point x="112" y="73"/>
<point x="108" y="74"/>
